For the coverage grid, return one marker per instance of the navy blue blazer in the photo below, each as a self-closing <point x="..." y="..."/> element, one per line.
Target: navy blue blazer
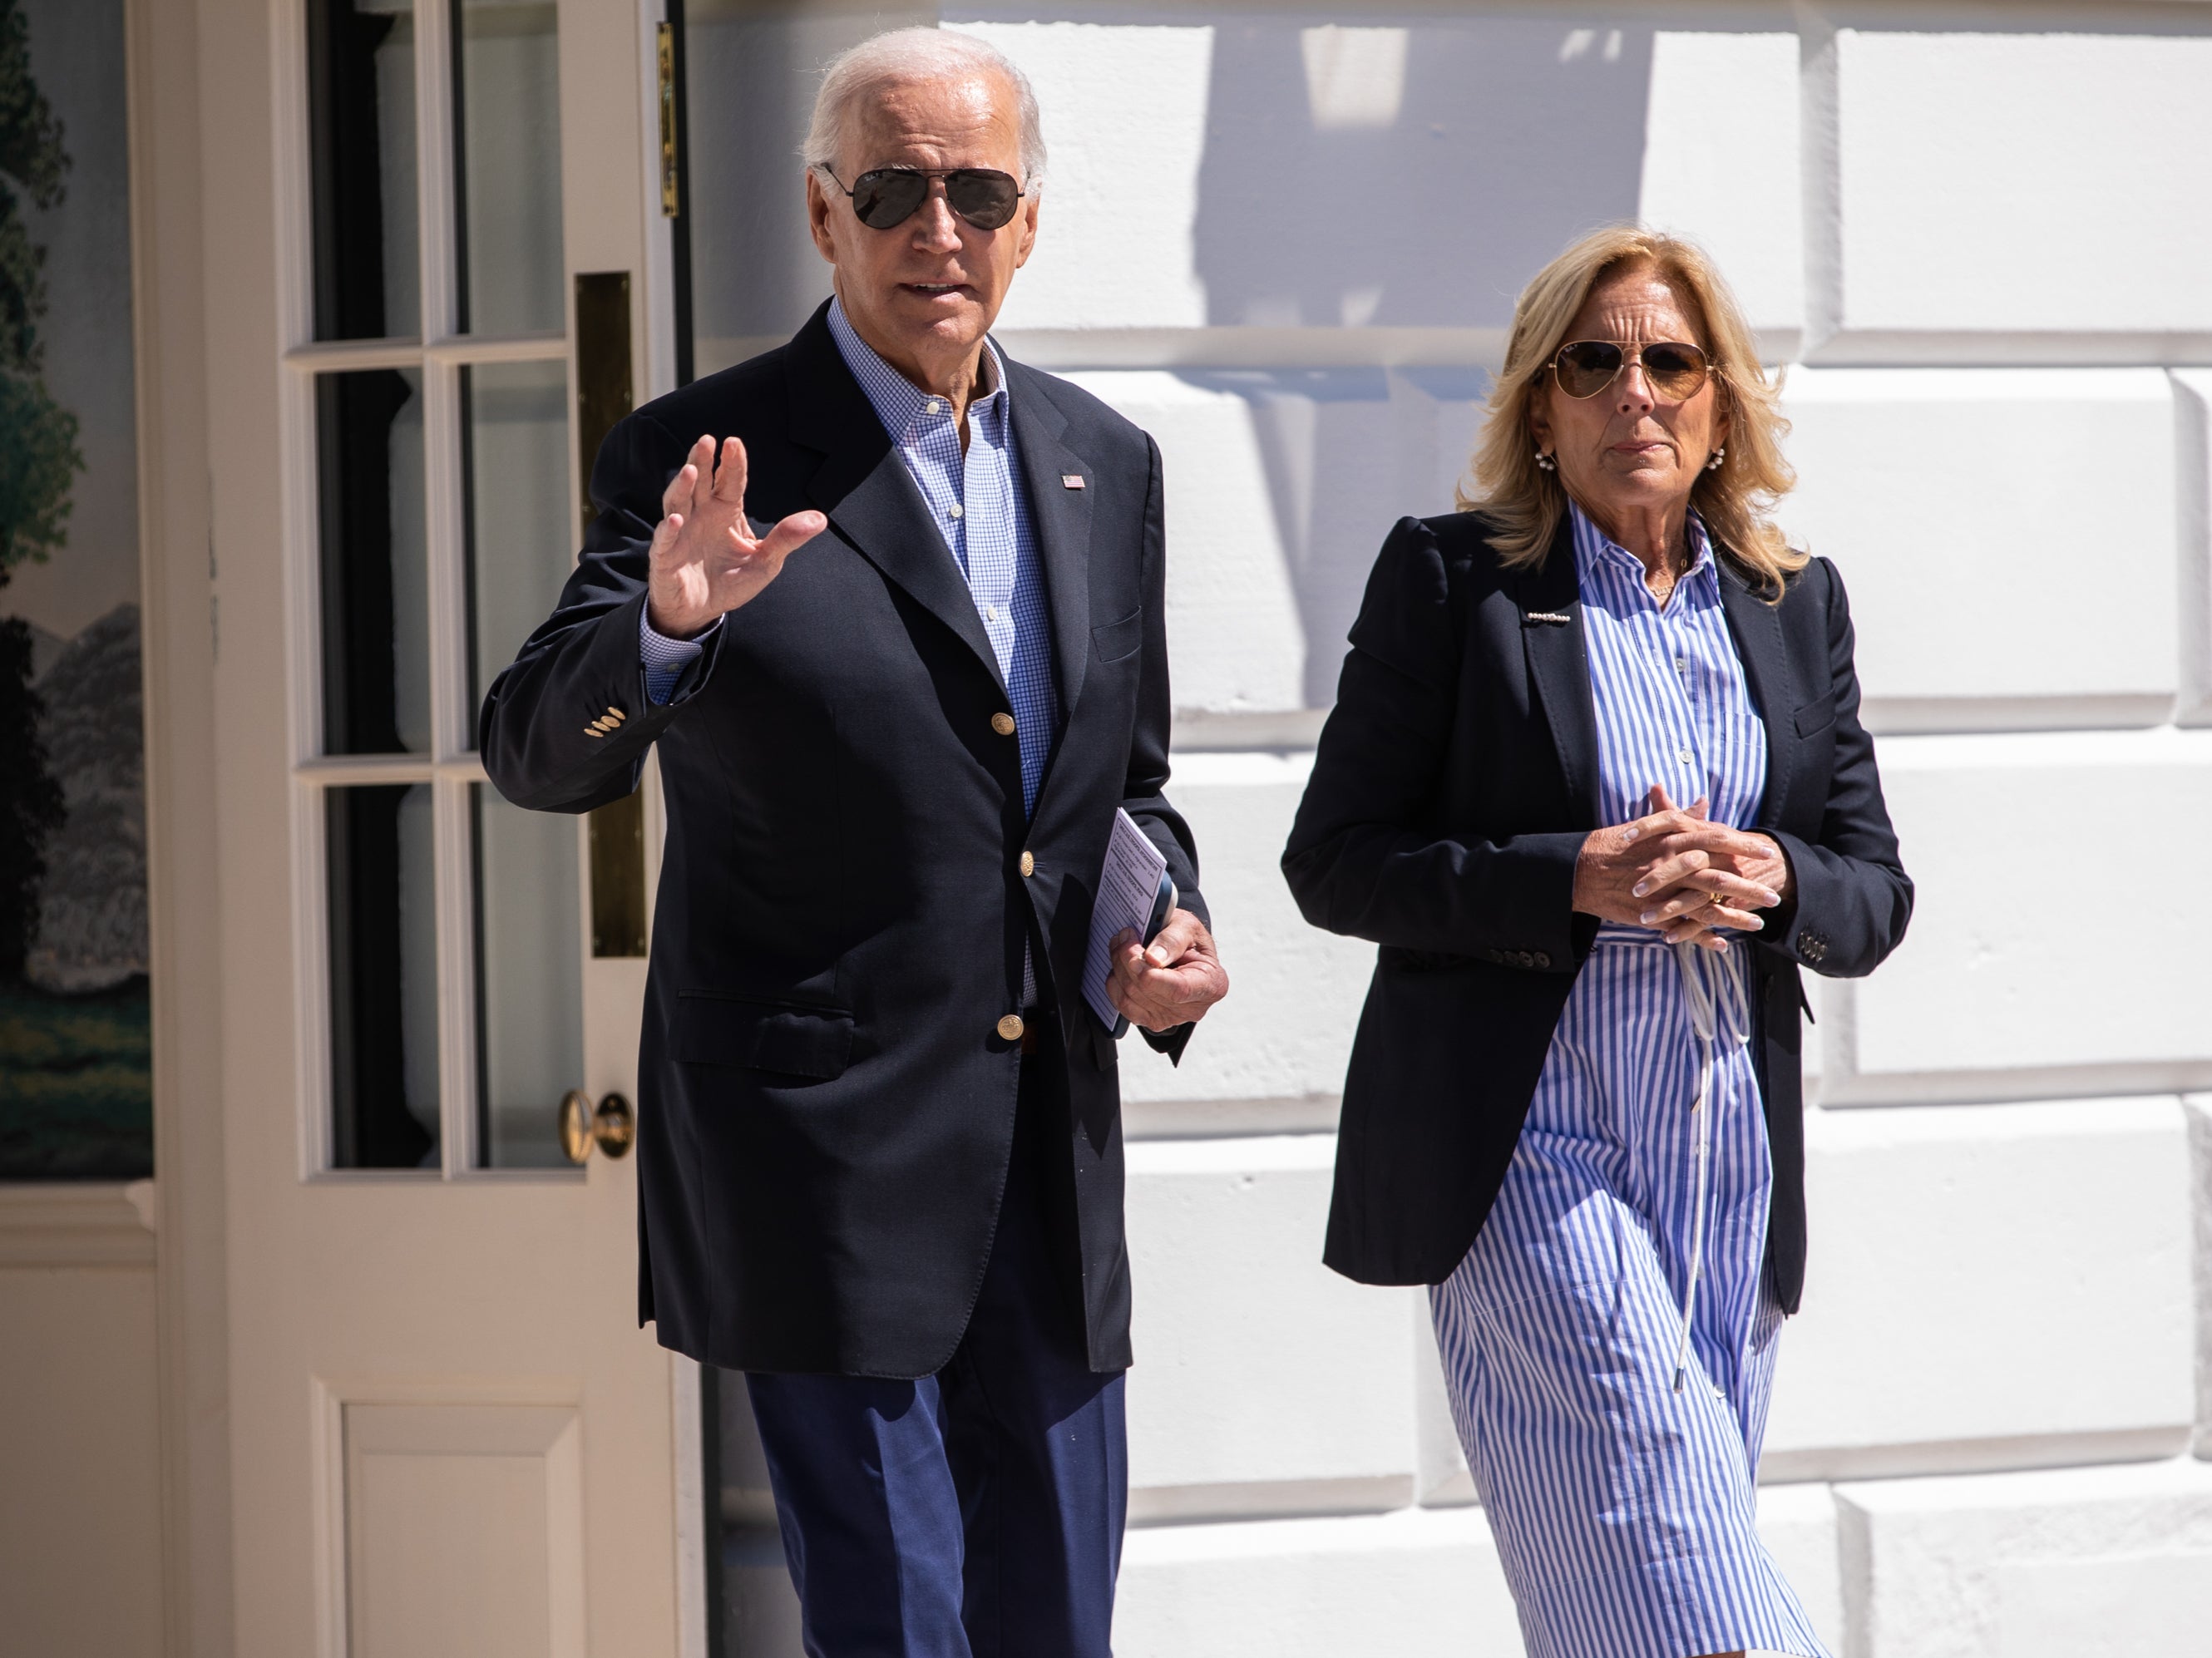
<point x="826" y="1108"/>
<point x="1455" y="783"/>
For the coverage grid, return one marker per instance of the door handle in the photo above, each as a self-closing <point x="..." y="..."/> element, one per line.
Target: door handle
<point x="611" y="1125"/>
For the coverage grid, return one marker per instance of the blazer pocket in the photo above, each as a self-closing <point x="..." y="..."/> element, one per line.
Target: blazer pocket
<point x="1816" y="716"/>
<point x="795" y="1039"/>
<point x="1114" y="640"/>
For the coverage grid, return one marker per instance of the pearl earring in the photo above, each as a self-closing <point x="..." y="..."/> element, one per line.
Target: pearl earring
<point x="1545" y="462"/>
<point x="1719" y="455"/>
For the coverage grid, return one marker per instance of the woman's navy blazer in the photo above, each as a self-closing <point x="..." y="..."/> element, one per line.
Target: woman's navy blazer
<point x="1455" y="783"/>
<point x="826" y="1106"/>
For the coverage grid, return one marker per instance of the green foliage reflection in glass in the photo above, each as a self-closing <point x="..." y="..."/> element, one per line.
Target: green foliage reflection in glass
<point x="38" y="460"/>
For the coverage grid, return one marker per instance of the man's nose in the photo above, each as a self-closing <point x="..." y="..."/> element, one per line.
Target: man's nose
<point x="936" y="226"/>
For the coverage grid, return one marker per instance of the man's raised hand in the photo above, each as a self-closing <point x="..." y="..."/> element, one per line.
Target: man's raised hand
<point x="705" y="560"/>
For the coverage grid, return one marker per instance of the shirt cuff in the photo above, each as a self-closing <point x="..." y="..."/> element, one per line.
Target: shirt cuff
<point x="666" y="658"/>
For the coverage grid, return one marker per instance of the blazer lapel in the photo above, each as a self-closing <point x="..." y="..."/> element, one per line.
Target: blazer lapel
<point x="1558" y="667"/>
<point x="862" y="484"/>
<point x="1757" y="627"/>
<point x="1063" y="516"/>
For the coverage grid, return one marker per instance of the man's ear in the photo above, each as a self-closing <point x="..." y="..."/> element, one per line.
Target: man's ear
<point x="1029" y="206"/>
<point x="817" y="217"/>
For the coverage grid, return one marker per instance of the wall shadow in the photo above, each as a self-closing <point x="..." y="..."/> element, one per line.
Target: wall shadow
<point x="1323" y="199"/>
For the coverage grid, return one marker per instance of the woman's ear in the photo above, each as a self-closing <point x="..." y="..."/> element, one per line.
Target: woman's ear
<point x="1539" y="422"/>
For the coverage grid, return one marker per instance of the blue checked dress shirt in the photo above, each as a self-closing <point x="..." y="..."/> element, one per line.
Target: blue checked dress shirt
<point x="977" y="502"/>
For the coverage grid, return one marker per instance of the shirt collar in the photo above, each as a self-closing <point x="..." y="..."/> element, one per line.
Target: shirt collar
<point x="1595" y="550"/>
<point x="900" y="405"/>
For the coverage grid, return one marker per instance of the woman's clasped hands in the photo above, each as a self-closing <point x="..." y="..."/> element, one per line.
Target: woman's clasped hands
<point x="1680" y="874"/>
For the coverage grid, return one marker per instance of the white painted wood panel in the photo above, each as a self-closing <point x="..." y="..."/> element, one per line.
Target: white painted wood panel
<point x="465" y="1531"/>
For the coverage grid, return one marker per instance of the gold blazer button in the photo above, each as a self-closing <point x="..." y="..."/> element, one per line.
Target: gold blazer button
<point x="1003" y="724"/>
<point x="1029" y="864"/>
<point x="1010" y="1028"/>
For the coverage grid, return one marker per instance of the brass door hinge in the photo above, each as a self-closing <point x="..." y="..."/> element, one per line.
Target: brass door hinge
<point x="664" y="52"/>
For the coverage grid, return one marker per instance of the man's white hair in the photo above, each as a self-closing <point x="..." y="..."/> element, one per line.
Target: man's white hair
<point x="922" y="53"/>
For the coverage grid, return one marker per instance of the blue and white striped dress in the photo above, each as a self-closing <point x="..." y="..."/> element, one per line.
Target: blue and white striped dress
<point x="1622" y="1505"/>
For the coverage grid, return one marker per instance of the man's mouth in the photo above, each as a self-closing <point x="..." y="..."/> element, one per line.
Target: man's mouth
<point x="935" y="288"/>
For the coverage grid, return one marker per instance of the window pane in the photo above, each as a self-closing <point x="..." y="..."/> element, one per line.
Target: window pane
<point x="361" y="76"/>
<point x="376" y="677"/>
<point x="507" y="98"/>
<point x="529" y="981"/>
<point x="384" y="977"/>
<point x="521" y="524"/>
<point x="749" y="75"/>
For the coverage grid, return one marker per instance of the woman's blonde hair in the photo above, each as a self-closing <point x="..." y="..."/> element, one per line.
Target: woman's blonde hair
<point x="1525" y="503"/>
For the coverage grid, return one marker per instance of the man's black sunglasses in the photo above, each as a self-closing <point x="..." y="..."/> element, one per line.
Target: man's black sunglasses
<point x="886" y="197"/>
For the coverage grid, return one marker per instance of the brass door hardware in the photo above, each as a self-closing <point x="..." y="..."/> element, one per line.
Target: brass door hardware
<point x="665" y="51"/>
<point x="611" y="1126"/>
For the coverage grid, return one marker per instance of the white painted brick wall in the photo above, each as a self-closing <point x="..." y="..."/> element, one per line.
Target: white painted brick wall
<point x="1989" y="1286"/>
<point x="1733" y="185"/>
<point x="1125" y="128"/>
<point x="2023" y="183"/>
<point x="1419" y="1583"/>
<point x="2033" y="1566"/>
<point x="2007" y="536"/>
<point x="1993" y="994"/>
<point x="1264" y="1382"/>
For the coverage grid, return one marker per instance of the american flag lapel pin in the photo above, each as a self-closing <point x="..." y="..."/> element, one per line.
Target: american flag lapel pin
<point x="1071" y="480"/>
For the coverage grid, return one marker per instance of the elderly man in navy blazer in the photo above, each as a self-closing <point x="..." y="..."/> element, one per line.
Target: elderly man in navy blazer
<point x="890" y="604"/>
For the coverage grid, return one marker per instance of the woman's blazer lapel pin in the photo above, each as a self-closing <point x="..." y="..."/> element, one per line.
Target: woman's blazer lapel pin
<point x="1557" y="618"/>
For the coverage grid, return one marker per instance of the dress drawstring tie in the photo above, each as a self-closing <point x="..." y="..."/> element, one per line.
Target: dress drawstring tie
<point x="1718" y="1008"/>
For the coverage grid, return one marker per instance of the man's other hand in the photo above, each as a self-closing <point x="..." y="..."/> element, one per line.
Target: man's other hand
<point x="1171" y="982"/>
<point x="705" y="560"/>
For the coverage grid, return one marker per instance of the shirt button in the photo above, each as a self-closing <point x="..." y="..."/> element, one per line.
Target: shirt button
<point x="1029" y="864"/>
<point x="990" y="613"/>
<point x="1003" y="724"/>
<point x="1010" y="1028"/>
<point x="1685" y="755"/>
<point x="1682" y="665"/>
<point x="932" y="407"/>
<point x="958" y="511"/>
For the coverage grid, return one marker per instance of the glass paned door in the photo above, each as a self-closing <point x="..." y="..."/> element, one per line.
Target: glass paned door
<point x="361" y="125"/>
<point x="373" y="576"/>
<point x="439" y="385"/>
<point x="461" y="1440"/>
<point x="507" y="182"/>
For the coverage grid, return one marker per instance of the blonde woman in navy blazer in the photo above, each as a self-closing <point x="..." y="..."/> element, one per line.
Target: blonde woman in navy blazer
<point x="1595" y="783"/>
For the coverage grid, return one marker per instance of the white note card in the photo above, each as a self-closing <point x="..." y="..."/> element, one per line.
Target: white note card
<point x="1127" y="887"/>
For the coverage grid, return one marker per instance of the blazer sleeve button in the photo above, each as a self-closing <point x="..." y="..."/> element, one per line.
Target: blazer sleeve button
<point x="1542" y="959"/>
<point x="1003" y="724"/>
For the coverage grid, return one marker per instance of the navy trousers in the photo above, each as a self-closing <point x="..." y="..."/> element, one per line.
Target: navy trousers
<point x="976" y="1513"/>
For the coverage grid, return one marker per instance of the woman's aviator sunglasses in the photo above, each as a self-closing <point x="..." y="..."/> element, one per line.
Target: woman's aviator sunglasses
<point x="886" y="197"/>
<point x="1585" y="367"/>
